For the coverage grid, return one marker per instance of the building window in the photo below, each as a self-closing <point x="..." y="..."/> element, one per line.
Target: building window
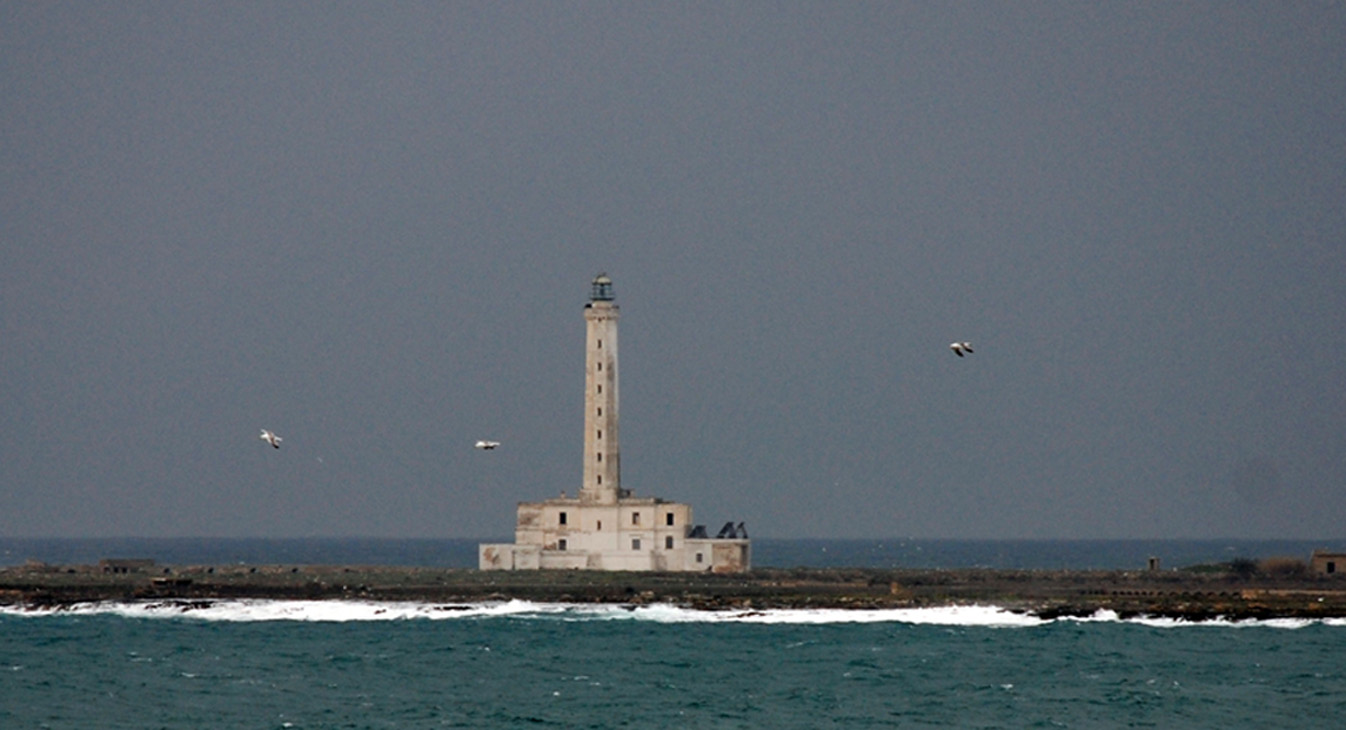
<point x="635" y="543"/>
<point x="600" y="411"/>
<point x="1331" y="567"/>
<point x="600" y="433"/>
<point x="600" y="478"/>
<point x="600" y="390"/>
<point x="561" y="544"/>
<point x="600" y="524"/>
<point x="668" y="542"/>
<point x="600" y="367"/>
<point x="600" y="344"/>
<point x="668" y="519"/>
<point x="698" y="557"/>
<point x="635" y="518"/>
<point x="563" y="518"/>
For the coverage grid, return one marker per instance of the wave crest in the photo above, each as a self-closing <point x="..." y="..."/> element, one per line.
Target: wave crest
<point x="249" y="610"/>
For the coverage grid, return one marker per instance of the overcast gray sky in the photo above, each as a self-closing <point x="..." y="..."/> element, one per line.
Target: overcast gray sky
<point x="371" y="227"/>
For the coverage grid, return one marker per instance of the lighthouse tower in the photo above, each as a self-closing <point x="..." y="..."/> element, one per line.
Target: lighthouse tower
<point x="602" y="453"/>
<point x="606" y="527"/>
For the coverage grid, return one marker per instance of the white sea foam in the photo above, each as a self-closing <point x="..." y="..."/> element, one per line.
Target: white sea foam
<point x="1166" y="622"/>
<point x="248" y="610"/>
<point x="945" y="616"/>
<point x="667" y="613"/>
<point x="274" y="610"/>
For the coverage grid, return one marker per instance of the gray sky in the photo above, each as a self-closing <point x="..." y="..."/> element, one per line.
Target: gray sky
<point x="371" y="228"/>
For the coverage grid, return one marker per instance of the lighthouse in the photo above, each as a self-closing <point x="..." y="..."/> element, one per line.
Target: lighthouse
<point x="602" y="452"/>
<point x="607" y="527"/>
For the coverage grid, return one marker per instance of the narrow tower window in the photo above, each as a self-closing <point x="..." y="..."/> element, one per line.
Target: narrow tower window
<point x="563" y="518"/>
<point x="635" y="518"/>
<point x="600" y="367"/>
<point x="668" y="542"/>
<point x="600" y="344"/>
<point x="600" y="456"/>
<point x="600" y="433"/>
<point x="668" y="519"/>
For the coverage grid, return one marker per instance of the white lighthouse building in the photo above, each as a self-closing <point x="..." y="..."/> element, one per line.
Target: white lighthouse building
<point x="605" y="527"/>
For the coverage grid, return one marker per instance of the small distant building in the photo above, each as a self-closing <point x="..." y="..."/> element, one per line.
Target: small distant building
<point x="1323" y="562"/>
<point x="606" y="527"/>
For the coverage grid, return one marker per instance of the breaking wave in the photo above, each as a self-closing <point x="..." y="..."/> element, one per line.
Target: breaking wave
<point x="249" y="610"/>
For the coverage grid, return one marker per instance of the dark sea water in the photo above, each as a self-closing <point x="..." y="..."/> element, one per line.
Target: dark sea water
<point x="294" y="664"/>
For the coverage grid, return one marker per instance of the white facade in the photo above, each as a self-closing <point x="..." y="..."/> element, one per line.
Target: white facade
<point x="605" y="527"/>
<point x="602" y="450"/>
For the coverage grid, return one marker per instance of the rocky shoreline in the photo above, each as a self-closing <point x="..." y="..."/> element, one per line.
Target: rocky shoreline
<point x="1181" y="595"/>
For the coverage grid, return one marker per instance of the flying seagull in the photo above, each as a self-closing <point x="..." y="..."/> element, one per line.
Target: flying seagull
<point x="961" y="347"/>
<point x="487" y="445"/>
<point x="270" y="438"/>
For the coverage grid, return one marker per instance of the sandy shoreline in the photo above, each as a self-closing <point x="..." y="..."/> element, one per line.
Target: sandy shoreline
<point x="1048" y="594"/>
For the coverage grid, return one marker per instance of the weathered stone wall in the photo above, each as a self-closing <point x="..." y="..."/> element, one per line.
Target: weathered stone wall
<point x="1326" y="563"/>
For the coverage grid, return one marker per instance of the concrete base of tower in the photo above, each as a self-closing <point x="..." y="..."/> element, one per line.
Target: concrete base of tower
<point x="636" y="534"/>
<point x="710" y="555"/>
